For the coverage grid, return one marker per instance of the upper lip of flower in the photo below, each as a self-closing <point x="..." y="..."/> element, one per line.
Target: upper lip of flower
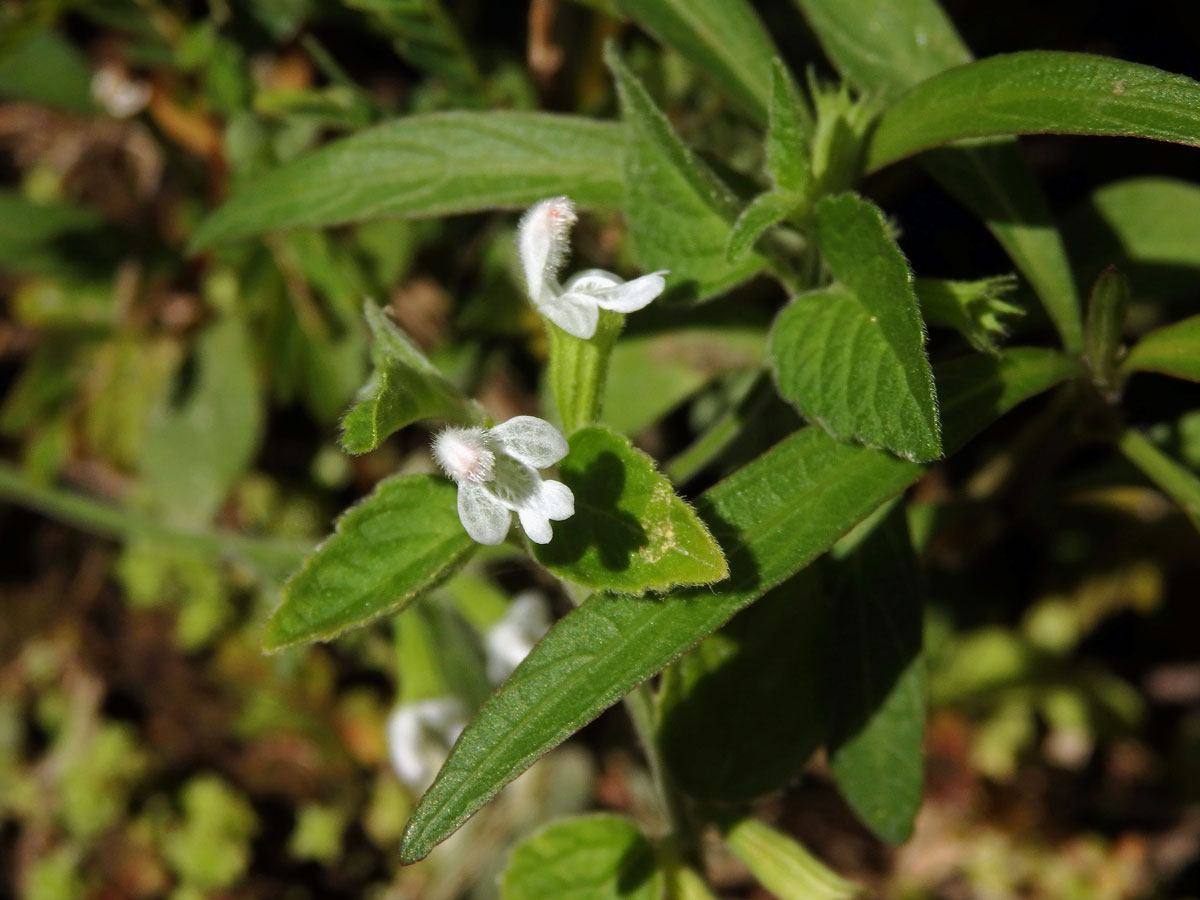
<point x="496" y="473"/>
<point x="542" y="240"/>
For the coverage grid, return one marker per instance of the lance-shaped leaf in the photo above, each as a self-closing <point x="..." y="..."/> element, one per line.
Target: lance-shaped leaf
<point x="1172" y="350"/>
<point x="403" y="388"/>
<point x="630" y="533"/>
<point x="680" y="213"/>
<point x="787" y="164"/>
<point x="876" y="669"/>
<point x="852" y="357"/>
<point x="772" y="518"/>
<point x="724" y="39"/>
<point x="907" y="42"/>
<point x="589" y="858"/>
<point x="430" y="165"/>
<point x="397" y="543"/>
<point x="1038" y="92"/>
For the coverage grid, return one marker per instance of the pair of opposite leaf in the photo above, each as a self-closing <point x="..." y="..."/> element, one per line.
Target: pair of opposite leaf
<point x="496" y="469"/>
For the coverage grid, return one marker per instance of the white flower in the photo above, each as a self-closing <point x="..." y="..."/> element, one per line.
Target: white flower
<point x="575" y="306"/>
<point x="496" y="473"/>
<point x="512" y="637"/>
<point x="420" y="735"/>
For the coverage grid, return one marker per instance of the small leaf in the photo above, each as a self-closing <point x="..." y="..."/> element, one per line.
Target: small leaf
<point x="680" y="214"/>
<point x="397" y="543"/>
<point x="430" y="165"/>
<point x="784" y="867"/>
<point x="772" y="518"/>
<point x="972" y="308"/>
<point x="404" y="387"/>
<point x="724" y="39"/>
<point x="1038" y="92"/>
<point x="853" y="357"/>
<point x="587" y="858"/>
<point x="1173" y="350"/>
<point x="765" y="211"/>
<point x="787" y="134"/>
<point x="630" y="533"/>
<point x="744" y="711"/>
<point x="877" y="673"/>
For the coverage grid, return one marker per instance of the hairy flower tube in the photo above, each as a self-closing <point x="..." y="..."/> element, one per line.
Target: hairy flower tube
<point x="542" y="240"/>
<point x="496" y="473"/>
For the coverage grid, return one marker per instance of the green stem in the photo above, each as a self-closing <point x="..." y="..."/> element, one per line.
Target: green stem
<point x="684" y="832"/>
<point x="273" y="557"/>
<point x="1174" y="479"/>
<point x="578" y="370"/>
<point x="754" y="396"/>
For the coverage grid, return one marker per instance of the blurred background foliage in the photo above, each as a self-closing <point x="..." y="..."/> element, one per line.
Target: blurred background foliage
<point x="185" y="410"/>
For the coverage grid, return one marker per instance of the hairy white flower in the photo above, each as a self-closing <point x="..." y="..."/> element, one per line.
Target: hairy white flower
<point x="496" y="473"/>
<point x="512" y="637"/>
<point x="542" y="240"/>
<point x="420" y="735"/>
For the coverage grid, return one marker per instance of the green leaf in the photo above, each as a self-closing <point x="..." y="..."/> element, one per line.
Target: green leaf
<point x="404" y="388"/>
<point x="430" y="165"/>
<point x="1038" y="92"/>
<point x="397" y="543"/>
<point x="784" y="867"/>
<point x="853" y="357"/>
<point x="788" y="129"/>
<point x="975" y="389"/>
<point x="651" y="374"/>
<point x="972" y="308"/>
<point x="744" y="711"/>
<point x="630" y="532"/>
<point x="876" y="668"/>
<point x="764" y="212"/>
<point x="885" y="46"/>
<point x="198" y="445"/>
<point x="45" y="68"/>
<point x="909" y="41"/>
<point x="772" y="518"/>
<point x="587" y="858"/>
<point x="680" y="213"/>
<point x="1145" y="226"/>
<point x="1174" y="479"/>
<point x="1173" y="350"/>
<point x="1108" y="306"/>
<point x="724" y="39"/>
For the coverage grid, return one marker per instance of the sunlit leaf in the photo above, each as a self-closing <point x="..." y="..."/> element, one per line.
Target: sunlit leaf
<point x="630" y="532"/>
<point x="397" y="543"/>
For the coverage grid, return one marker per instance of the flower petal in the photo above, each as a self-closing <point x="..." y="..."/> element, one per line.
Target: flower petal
<point x="531" y="440"/>
<point x="591" y="280"/>
<point x="542" y="242"/>
<point x="557" y="500"/>
<point x="574" y="313"/>
<point x="486" y="519"/>
<point x="632" y="295"/>
<point x="552" y="500"/>
<point x="536" y="524"/>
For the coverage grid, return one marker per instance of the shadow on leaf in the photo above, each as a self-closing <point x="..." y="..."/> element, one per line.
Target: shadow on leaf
<point x="599" y="524"/>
